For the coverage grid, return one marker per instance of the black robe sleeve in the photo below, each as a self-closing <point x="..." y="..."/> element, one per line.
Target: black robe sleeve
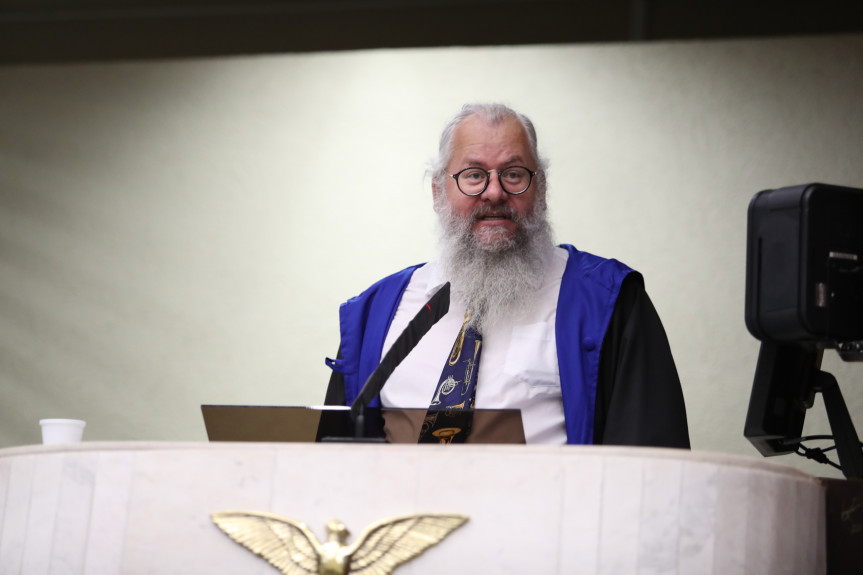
<point x="639" y="400"/>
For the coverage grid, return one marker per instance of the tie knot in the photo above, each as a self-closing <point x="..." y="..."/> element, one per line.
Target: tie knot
<point x="469" y="323"/>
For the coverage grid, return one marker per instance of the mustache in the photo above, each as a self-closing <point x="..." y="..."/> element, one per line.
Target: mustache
<point x="505" y="211"/>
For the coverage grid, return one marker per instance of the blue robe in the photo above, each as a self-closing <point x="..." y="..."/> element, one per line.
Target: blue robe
<point x="588" y="294"/>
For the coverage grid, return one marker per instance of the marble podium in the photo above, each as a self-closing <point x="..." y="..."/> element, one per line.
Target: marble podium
<point x="108" y="508"/>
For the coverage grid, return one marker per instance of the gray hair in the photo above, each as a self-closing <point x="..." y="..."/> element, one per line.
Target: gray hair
<point x="493" y="114"/>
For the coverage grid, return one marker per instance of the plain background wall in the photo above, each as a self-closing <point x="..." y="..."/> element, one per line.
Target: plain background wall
<point x="175" y="233"/>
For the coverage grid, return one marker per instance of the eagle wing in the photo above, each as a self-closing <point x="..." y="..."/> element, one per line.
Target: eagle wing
<point x="286" y="544"/>
<point x="385" y="545"/>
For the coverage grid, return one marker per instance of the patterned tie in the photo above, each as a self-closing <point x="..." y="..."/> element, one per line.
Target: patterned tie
<point x="445" y="421"/>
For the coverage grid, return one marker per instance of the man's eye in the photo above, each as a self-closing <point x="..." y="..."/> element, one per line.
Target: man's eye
<point x="514" y="175"/>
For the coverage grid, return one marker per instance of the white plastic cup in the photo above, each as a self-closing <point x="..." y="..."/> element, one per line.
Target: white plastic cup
<point x="56" y="431"/>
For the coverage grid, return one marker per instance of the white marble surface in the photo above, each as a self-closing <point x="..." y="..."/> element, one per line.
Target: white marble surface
<point x="106" y="508"/>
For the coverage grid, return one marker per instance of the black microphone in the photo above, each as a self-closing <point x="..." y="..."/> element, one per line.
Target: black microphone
<point x="431" y="312"/>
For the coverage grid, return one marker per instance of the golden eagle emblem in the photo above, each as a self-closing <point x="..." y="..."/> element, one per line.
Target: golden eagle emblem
<point x="294" y="550"/>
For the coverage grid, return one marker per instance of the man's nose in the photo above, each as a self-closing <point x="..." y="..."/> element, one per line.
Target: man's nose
<point x="494" y="192"/>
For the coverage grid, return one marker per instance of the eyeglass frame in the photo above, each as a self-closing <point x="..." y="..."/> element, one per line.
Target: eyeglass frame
<point x="488" y="180"/>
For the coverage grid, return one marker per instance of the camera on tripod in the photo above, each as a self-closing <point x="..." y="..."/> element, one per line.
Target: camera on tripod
<point x="804" y="294"/>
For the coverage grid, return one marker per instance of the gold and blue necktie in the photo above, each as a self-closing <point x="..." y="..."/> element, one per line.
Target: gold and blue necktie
<point x="446" y="420"/>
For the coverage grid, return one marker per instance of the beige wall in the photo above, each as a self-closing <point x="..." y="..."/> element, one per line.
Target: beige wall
<point x="182" y="232"/>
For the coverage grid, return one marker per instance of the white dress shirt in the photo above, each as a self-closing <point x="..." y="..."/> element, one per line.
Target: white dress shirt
<point x="518" y="367"/>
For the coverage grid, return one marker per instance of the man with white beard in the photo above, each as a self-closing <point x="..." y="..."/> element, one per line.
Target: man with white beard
<point x="569" y="338"/>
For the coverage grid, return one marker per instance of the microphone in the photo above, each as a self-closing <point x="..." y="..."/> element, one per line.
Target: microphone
<point x="429" y="314"/>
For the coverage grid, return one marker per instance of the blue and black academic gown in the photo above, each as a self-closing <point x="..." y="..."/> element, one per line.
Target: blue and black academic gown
<point x="618" y="380"/>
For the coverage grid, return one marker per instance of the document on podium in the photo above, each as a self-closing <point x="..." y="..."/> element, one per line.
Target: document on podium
<point x="331" y="423"/>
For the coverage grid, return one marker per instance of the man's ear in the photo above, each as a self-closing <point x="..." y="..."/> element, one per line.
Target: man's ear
<point x="435" y="192"/>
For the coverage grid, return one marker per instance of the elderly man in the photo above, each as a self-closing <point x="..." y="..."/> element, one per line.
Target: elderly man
<point x="569" y="338"/>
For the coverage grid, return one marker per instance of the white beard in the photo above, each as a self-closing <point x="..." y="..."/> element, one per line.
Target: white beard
<point x="494" y="276"/>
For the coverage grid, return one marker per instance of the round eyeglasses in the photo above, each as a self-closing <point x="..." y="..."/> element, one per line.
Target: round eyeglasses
<point x="514" y="180"/>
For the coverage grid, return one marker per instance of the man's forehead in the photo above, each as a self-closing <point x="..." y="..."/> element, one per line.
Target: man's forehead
<point x="475" y="138"/>
<point x="468" y="160"/>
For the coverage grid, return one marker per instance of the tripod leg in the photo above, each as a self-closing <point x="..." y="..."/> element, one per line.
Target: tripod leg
<point x="847" y="442"/>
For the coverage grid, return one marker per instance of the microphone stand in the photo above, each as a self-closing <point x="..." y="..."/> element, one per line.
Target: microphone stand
<point x="428" y="315"/>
